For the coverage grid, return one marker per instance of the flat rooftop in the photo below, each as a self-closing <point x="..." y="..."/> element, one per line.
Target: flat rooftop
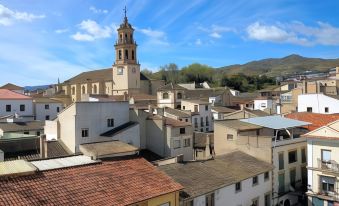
<point x="275" y="122"/>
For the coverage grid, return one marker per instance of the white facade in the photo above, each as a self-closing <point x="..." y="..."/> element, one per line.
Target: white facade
<point x="15" y="106"/>
<point x="47" y="111"/>
<point x="262" y="104"/>
<point x="318" y="103"/>
<point x="245" y="196"/>
<point x="201" y="115"/>
<point x="84" y="122"/>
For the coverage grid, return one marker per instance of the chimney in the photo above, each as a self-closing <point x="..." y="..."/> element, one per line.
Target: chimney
<point x="2" y="156"/>
<point x="43" y="146"/>
<point x="150" y="110"/>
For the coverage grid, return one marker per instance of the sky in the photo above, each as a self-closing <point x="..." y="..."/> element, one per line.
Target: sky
<point x="41" y="41"/>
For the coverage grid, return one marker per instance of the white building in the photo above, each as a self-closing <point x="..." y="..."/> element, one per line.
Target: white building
<point x="233" y="179"/>
<point x="88" y="122"/>
<point x="14" y="103"/>
<point x="264" y="104"/>
<point x="318" y="103"/>
<point x="46" y="109"/>
<point x="323" y="165"/>
<point x="201" y="114"/>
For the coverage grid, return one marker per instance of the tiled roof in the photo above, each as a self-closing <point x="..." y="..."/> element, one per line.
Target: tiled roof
<point x="21" y="126"/>
<point x="11" y="86"/>
<point x="45" y="100"/>
<point x="199" y="178"/>
<point x="223" y="109"/>
<point x="116" y="182"/>
<point x="8" y="94"/>
<point x="177" y="112"/>
<point x="317" y="120"/>
<point x="171" y="86"/>
<point x="176" y="123"/>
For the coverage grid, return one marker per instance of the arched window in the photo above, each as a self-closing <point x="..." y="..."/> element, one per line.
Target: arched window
<point x="73" y="90"/>
<point x="120" y="38"/>
<point x="126" y="54"/>
<point x="131" y="38"/>
<point x="83" y="89"/>
<point x="95" y="89"/>
<point x="179" y="96"/>
<point x="132" y="54"/>
<point x="119" y="54"/>
<point x="125" y="37"/>
<point x="165" y="95"/>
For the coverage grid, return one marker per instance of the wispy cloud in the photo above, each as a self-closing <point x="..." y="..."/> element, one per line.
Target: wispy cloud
<point x="295" y="33"/>
<point x="198" y="42"/>
<point x="8" y="16"/>
<point x="98" y="11"/>
<point x="154" y="36"/>
<point x="216" y="31"/>
<point x="91" y="31"/>
<point x="60" y="31"/>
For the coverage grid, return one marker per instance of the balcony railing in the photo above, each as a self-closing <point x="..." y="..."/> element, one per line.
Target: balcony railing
<point x="207" y="123"/>
<point x="330" y="165"/>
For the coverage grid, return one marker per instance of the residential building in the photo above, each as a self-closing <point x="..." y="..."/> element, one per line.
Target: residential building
<point x="88" y="122"/>
<point x="13" y="88"/>
<point x="46" y="108"/>
<point x="201" y="114"/>
<point x="219" y="112"/>
<point x="15" y="103"/>
<point x="265" y="104"/>
<point x="323" y="165"/>
<point x="318" y="103"/>
<point x="232" y="179"/>
<point x="79" y="180"/>
<point x="170" y="95"/>
<point x="203" y="145"/>
<point x="273" y="139"/>
<point x="177" y="114"/>
<point x="169" y="137"/>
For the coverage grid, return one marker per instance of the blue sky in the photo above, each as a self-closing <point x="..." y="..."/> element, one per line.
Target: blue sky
<point x="42" y="40"/>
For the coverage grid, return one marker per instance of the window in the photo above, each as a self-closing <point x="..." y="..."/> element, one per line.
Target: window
<point x="26" y="132"/>
<point x="165" y="95"/>
<point x="238" y="187"/>
<point x="255" y="180"/>
<point x="179" y="95"/>
<point x="209" y="200"/>
<point x="132" y="54"/>
<point x="38" y="133"/>
<point x="134" y="70"/>
<point x="201" y="130"/>
<point x="195" y="122"/>
<point x="119" y="54"/>
<point x="58" y="109"/>
<point x="83" y="90"/>
<point x="22" y="107"/>
<point x="120" y="71"/>
<point x="293" y="177"/>
<point x="263" y="105"/>
<point x="327" y="184"/>
<point x="182" y="131"/>
<point x="268" y="200"/>
<point x="73" y="92"/>
<point x="176" y="144"/>
<point x="47" y="117"/>
<point x="207" y="122"/>
<point x="325" y="156"/>
<point x="206" y="107"/>
<point x="126" y="54"/>
<point x="186" y="120"/>
<point x="255" y="202"/>
<point x="281" y="179"/>
<point x="195" y="108"/>
<point x="309" y="109"/>
<point x="46" y="106"/>
<point x="326" y="109"/>
<point x="187" y="142"/>
<point x="281" y="161"/>
<point x="229" y="136"/>
<point x="292" y="156"/>
<point x="266" y="176"/>
<point x="84" y="132"/>
<point x="110" y="122"/>
<point x="201" y="121"/>
<point x="95" y="89"/>
<point x="303" y="155"/>
<point x="183" y="107"/>
<point x="8" y="108"/>
<point x="166" y="204"/>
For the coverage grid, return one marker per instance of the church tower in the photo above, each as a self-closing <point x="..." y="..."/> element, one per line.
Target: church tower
<point x="126" y="69"/>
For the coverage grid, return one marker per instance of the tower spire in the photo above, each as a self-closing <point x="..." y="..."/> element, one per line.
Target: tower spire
<point x="125" y="11"/>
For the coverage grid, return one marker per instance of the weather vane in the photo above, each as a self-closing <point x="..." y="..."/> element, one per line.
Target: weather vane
<point x="125" y="10"/>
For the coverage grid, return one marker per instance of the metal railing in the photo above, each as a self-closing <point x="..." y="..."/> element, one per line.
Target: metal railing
<point x="330" y="165"/>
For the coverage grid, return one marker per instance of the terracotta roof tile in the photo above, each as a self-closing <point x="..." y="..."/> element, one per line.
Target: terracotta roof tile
<point x="317" y="120"/>
<point x="8" y="94"/>
<point x="115" y="182"/>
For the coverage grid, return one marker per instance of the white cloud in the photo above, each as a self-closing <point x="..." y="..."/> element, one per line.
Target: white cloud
<point x="155" y="36"/>
<point x="216" y="31"/>
<point x="92" y="31"/>
<point x="215" y="35"/>
<point x="295" y="33"/>
<point x="8" y="16"/>
<point x="98" y="11"/>
<point x="198" y="42"/>
<point x="60" y="31"/>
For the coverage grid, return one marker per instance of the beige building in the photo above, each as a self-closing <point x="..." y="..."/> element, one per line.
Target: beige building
<point x="273" y="139"/>
<point x="323" y="165"/>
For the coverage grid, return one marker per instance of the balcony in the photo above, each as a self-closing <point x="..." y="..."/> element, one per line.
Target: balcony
<point x="329" y="166"/>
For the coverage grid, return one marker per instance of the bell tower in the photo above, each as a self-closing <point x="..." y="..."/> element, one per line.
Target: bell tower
<point x="126" y="69"/>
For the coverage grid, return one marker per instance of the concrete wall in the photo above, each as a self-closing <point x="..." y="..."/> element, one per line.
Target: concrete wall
<point x="41" y="112"/>
<point x="15" y="107"/>
<point x="156" y="137"/>
<point x="139" y="115"/>
<point x="318" y="102"/>
<point x="172" y="134"/>
<point x="51" y="130"/>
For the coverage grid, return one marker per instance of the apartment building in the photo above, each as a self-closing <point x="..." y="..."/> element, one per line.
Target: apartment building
<point x="15" y="103"/>
<point x="88" y="122"/>
<point x="323" y="165"/>
<point x="232" y="179"/>
<point x="318" y="103"/>
<point x="46" y="108"/>
<point x="170" y="95"/>
<point x="273" y="139"/>
<point x="201" y="114"/>
<point x="219" y="112"/>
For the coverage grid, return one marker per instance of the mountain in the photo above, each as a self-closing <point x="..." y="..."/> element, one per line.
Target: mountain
<point x="33" y="88"/>
<point x="288" y="65"/>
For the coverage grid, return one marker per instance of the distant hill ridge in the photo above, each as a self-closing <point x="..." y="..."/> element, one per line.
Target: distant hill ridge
<point x="281" y="66"/>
